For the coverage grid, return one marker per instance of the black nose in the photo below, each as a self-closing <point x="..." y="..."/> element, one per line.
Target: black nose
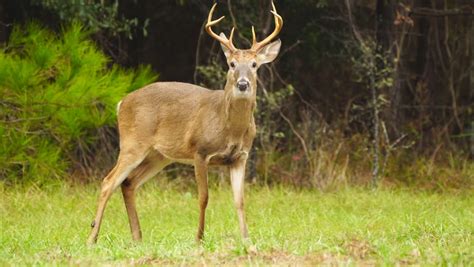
<point x="243" y="85"/>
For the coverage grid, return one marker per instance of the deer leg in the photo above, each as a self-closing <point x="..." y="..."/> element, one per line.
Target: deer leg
<point x="200" y="170"/>
<point x="128" y="192"/>
<point x="122" y="169"/>
<point x="237" y="177"/>
<point x="145" y="171"/>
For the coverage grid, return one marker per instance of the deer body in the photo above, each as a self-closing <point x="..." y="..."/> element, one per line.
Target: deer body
<point x="189" y="122"/>
<point x="170" y="122"/>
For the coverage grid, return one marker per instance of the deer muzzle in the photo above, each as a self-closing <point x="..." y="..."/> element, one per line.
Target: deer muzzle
<point x="243" y="85"/>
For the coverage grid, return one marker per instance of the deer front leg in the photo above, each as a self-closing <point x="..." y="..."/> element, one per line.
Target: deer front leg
<point x="237" y="177"/>
<point x="200" y="170"/>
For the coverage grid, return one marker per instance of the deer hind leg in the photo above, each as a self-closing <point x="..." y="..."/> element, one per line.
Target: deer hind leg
<point x="200" y="170"/>
<point x="126" y="163"/>
<point x="146" y="170"/>
<point x="237" y="177"/>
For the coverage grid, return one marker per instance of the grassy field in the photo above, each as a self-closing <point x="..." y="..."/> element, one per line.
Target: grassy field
<point x="288" y="227"/>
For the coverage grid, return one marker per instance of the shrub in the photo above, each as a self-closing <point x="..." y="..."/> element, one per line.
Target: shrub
<point x="57" y="91"/>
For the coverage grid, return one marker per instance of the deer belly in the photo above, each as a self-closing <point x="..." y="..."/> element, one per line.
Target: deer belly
<point x="174" y="154"/>
<point x="227" y="158"/>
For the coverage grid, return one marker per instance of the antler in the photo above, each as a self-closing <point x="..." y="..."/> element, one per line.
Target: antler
<point x="278" y="25"/>
<point x="226" y="42"/>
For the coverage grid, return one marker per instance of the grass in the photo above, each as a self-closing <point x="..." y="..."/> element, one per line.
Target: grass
<point x="287" y="227"/>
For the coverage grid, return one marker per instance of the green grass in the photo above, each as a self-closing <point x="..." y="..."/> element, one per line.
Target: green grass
<point x="350" y="226"/>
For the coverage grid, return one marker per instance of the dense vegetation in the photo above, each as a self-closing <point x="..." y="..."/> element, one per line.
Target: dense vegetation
<point x="59" y="95"/>
<point x="363" y="91"/>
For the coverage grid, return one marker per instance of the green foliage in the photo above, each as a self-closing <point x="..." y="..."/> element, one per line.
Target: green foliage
<point x="56" y="92"/>
<point x="268" y="111"/>
<point x="96" y="15"/>
<point x="213" y="75"/>
<point x="305" y="228"/>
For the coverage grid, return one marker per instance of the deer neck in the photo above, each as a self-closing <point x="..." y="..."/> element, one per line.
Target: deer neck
<point x="238" y="112"/>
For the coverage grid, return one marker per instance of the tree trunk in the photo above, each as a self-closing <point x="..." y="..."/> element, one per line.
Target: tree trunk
<point x="471" y="88"/>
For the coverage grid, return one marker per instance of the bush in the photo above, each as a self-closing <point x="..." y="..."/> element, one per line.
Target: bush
<point x="57" y="91"/>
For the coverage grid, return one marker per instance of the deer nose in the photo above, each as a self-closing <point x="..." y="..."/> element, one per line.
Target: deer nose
<point x="243" y="85"/>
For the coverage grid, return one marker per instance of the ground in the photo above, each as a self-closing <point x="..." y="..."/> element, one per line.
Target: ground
<point x="287" y="227"/>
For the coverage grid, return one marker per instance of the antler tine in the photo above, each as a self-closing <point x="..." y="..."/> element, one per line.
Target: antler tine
<point x="278" y="26"/>
<point x="254" y="37"/>
<point x="227" y="42"/>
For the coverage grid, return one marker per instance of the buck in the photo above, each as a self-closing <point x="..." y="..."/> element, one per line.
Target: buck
<point x="168" y="122"/>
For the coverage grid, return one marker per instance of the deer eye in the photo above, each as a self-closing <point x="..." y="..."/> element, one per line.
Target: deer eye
<point x="232" y="64"/>
<point x="254" y="65"/>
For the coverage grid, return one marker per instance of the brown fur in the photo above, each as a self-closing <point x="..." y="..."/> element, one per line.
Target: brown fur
<point x="187" y="119"/>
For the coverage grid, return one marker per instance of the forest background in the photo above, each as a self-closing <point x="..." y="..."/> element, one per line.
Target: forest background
<point x="363" y="91"/>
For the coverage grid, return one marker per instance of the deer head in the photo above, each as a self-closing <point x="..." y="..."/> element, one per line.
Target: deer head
<point x="243" y="64"/>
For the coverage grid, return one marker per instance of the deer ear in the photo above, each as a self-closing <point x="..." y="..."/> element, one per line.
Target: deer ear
<point x="224" y="48"/>
<point x="269" y="52"/>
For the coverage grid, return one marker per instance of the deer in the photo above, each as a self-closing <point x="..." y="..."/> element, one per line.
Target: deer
<point x="168" y="122"/>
